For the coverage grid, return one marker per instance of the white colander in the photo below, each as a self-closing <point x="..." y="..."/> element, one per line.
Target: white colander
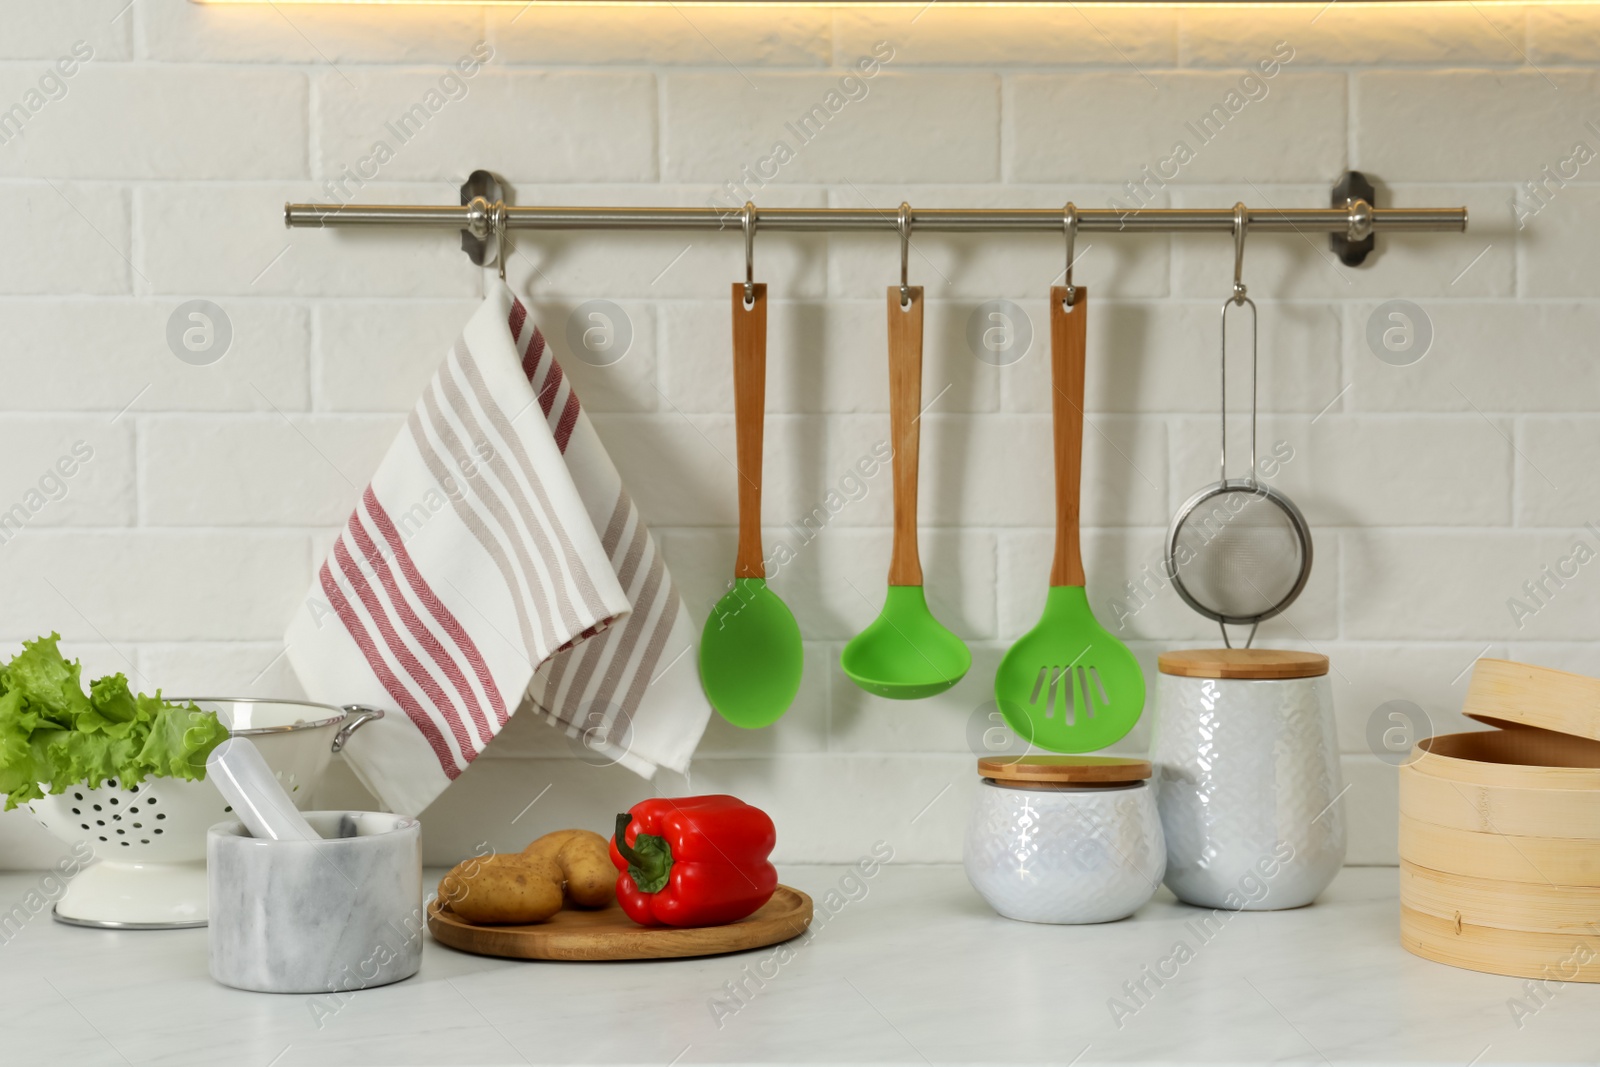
<point x="149" y="842"/>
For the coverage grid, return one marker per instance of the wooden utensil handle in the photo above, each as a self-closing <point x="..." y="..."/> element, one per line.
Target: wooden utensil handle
<point x="749" y="415"/>
<point x="905" y="408"/>
<point x="1068" y="356"/>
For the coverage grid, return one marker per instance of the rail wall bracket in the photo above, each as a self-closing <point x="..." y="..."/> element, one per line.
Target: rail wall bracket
<point x="1354" y="192"/>
<point x="483" y="184"/>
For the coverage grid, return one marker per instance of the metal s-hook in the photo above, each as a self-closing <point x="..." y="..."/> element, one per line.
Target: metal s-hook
<point x="903" y="224"/>
<point x="1241" y="224"/>
<point x="748" y="220"/>
<point x="498" y="218"/>
<point x="1069" y="224"/>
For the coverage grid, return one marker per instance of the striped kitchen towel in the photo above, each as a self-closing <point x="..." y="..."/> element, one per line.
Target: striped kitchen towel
<point x="495" y="562"/>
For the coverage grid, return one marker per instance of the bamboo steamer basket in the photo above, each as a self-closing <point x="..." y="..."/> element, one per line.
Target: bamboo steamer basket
<point x="1500" y="830"/>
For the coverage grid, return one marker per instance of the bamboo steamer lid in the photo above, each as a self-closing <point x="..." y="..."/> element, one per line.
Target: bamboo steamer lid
<point x="1064" y="772"/>
<point x="1503" y="693"/>
<point x="1255" y="664"/>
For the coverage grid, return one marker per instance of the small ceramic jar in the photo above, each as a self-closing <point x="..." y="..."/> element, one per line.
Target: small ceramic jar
<point x="1064" y="839"/>
<point x="1247" y="777"/>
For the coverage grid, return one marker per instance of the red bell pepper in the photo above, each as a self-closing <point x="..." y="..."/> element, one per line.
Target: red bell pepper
<point x="693" y="861"/>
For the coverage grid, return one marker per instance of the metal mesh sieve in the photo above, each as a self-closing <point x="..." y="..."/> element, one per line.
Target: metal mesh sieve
<point x="1238" y="551"/>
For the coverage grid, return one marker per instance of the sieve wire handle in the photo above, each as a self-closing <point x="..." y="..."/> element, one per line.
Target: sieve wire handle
<point x="1247" y="641"/>
<point x="1239" y="299"/>
<point x="1068" y="357"/>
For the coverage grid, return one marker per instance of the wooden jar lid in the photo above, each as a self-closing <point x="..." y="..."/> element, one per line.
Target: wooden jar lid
<point x="1251" y="663"/>
<point x="1503" y="693"/>
<point x="1064" y="770"/>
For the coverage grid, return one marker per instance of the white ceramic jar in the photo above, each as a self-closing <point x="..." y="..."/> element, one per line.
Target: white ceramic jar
<point x="1064" y="839"/>
<point x="1247" y="777"/>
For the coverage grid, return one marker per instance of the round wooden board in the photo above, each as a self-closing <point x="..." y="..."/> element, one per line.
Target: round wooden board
<point x="1562" y="957"/>
<point x="608" y="934"/>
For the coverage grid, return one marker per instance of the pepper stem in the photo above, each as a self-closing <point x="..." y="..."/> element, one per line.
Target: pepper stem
<point x="649" y="857"/>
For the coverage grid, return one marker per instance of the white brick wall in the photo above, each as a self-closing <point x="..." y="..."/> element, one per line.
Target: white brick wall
<point x="1436" y="489"/>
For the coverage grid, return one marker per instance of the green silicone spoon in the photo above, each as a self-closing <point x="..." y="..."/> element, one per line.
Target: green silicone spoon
<point x="1068" y="685"/>
<point x="750" y="653"/>
<point x="905" y="654"/>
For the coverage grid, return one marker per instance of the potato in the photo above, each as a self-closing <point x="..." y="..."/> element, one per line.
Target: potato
<point x="503" y="888"/>
<point x="586" y="861"/>
<point x="548" y="869"/>
<point x="550" y="845"/>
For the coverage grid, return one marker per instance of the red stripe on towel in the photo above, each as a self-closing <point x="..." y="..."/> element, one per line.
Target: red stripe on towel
<point x="551" y="388"/>
<point x="548" y="391"/>
<point x="569" y="420"/>
<point x="519" y="315"/>
<point x="419" y="630"/>
<point x="425" y="681"/>
<point x="419" y="718"/>
<point x="441" y="614"/>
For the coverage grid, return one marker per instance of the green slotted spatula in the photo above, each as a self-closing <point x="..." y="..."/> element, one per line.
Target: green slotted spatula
<point x="1068" y="685"/>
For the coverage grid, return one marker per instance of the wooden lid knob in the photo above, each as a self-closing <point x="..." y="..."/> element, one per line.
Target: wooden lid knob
<point x="1064" y="770"/>
<point x="1249" y="663"/>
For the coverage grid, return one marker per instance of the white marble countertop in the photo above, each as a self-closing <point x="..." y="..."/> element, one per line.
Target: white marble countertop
<point x="917" y="970"/>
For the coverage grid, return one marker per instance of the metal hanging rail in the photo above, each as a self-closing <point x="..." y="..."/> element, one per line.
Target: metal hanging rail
<point x="1352" y="221"/>
<point x="1355" y="223"/>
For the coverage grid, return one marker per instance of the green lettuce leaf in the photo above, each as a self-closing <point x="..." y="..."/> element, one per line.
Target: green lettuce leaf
<point x="113" y="703"/>
<point x="19" y="774"/>
<point x="49" y="683"/>
<point x="53" y="736"/>
<point x="180" y="739"/>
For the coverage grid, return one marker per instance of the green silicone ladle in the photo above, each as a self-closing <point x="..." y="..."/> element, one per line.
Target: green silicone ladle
<point x="905" y="654"/>
<point x="750" y="652"/>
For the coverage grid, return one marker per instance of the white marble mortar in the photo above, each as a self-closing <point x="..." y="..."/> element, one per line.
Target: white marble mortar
<point x="336" y="915"/>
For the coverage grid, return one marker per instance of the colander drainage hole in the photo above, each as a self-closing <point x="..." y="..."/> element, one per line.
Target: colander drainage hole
<point x="102" y="838"/>
<point x="85" y="826"/>
<point x="113" y="802"/>
<point x="120" y="833"/>
<point x="161" y="816"/>
<point x="227" y="809"/>
<point x="158" y="830"/>
<point x="77" y="796"/>
<point x="75" y="811"/>
<point x="99" y="822"/>
<point x="133" y="811"/>
<point x="142" y="841"/>
<point x="97" y="807"/>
